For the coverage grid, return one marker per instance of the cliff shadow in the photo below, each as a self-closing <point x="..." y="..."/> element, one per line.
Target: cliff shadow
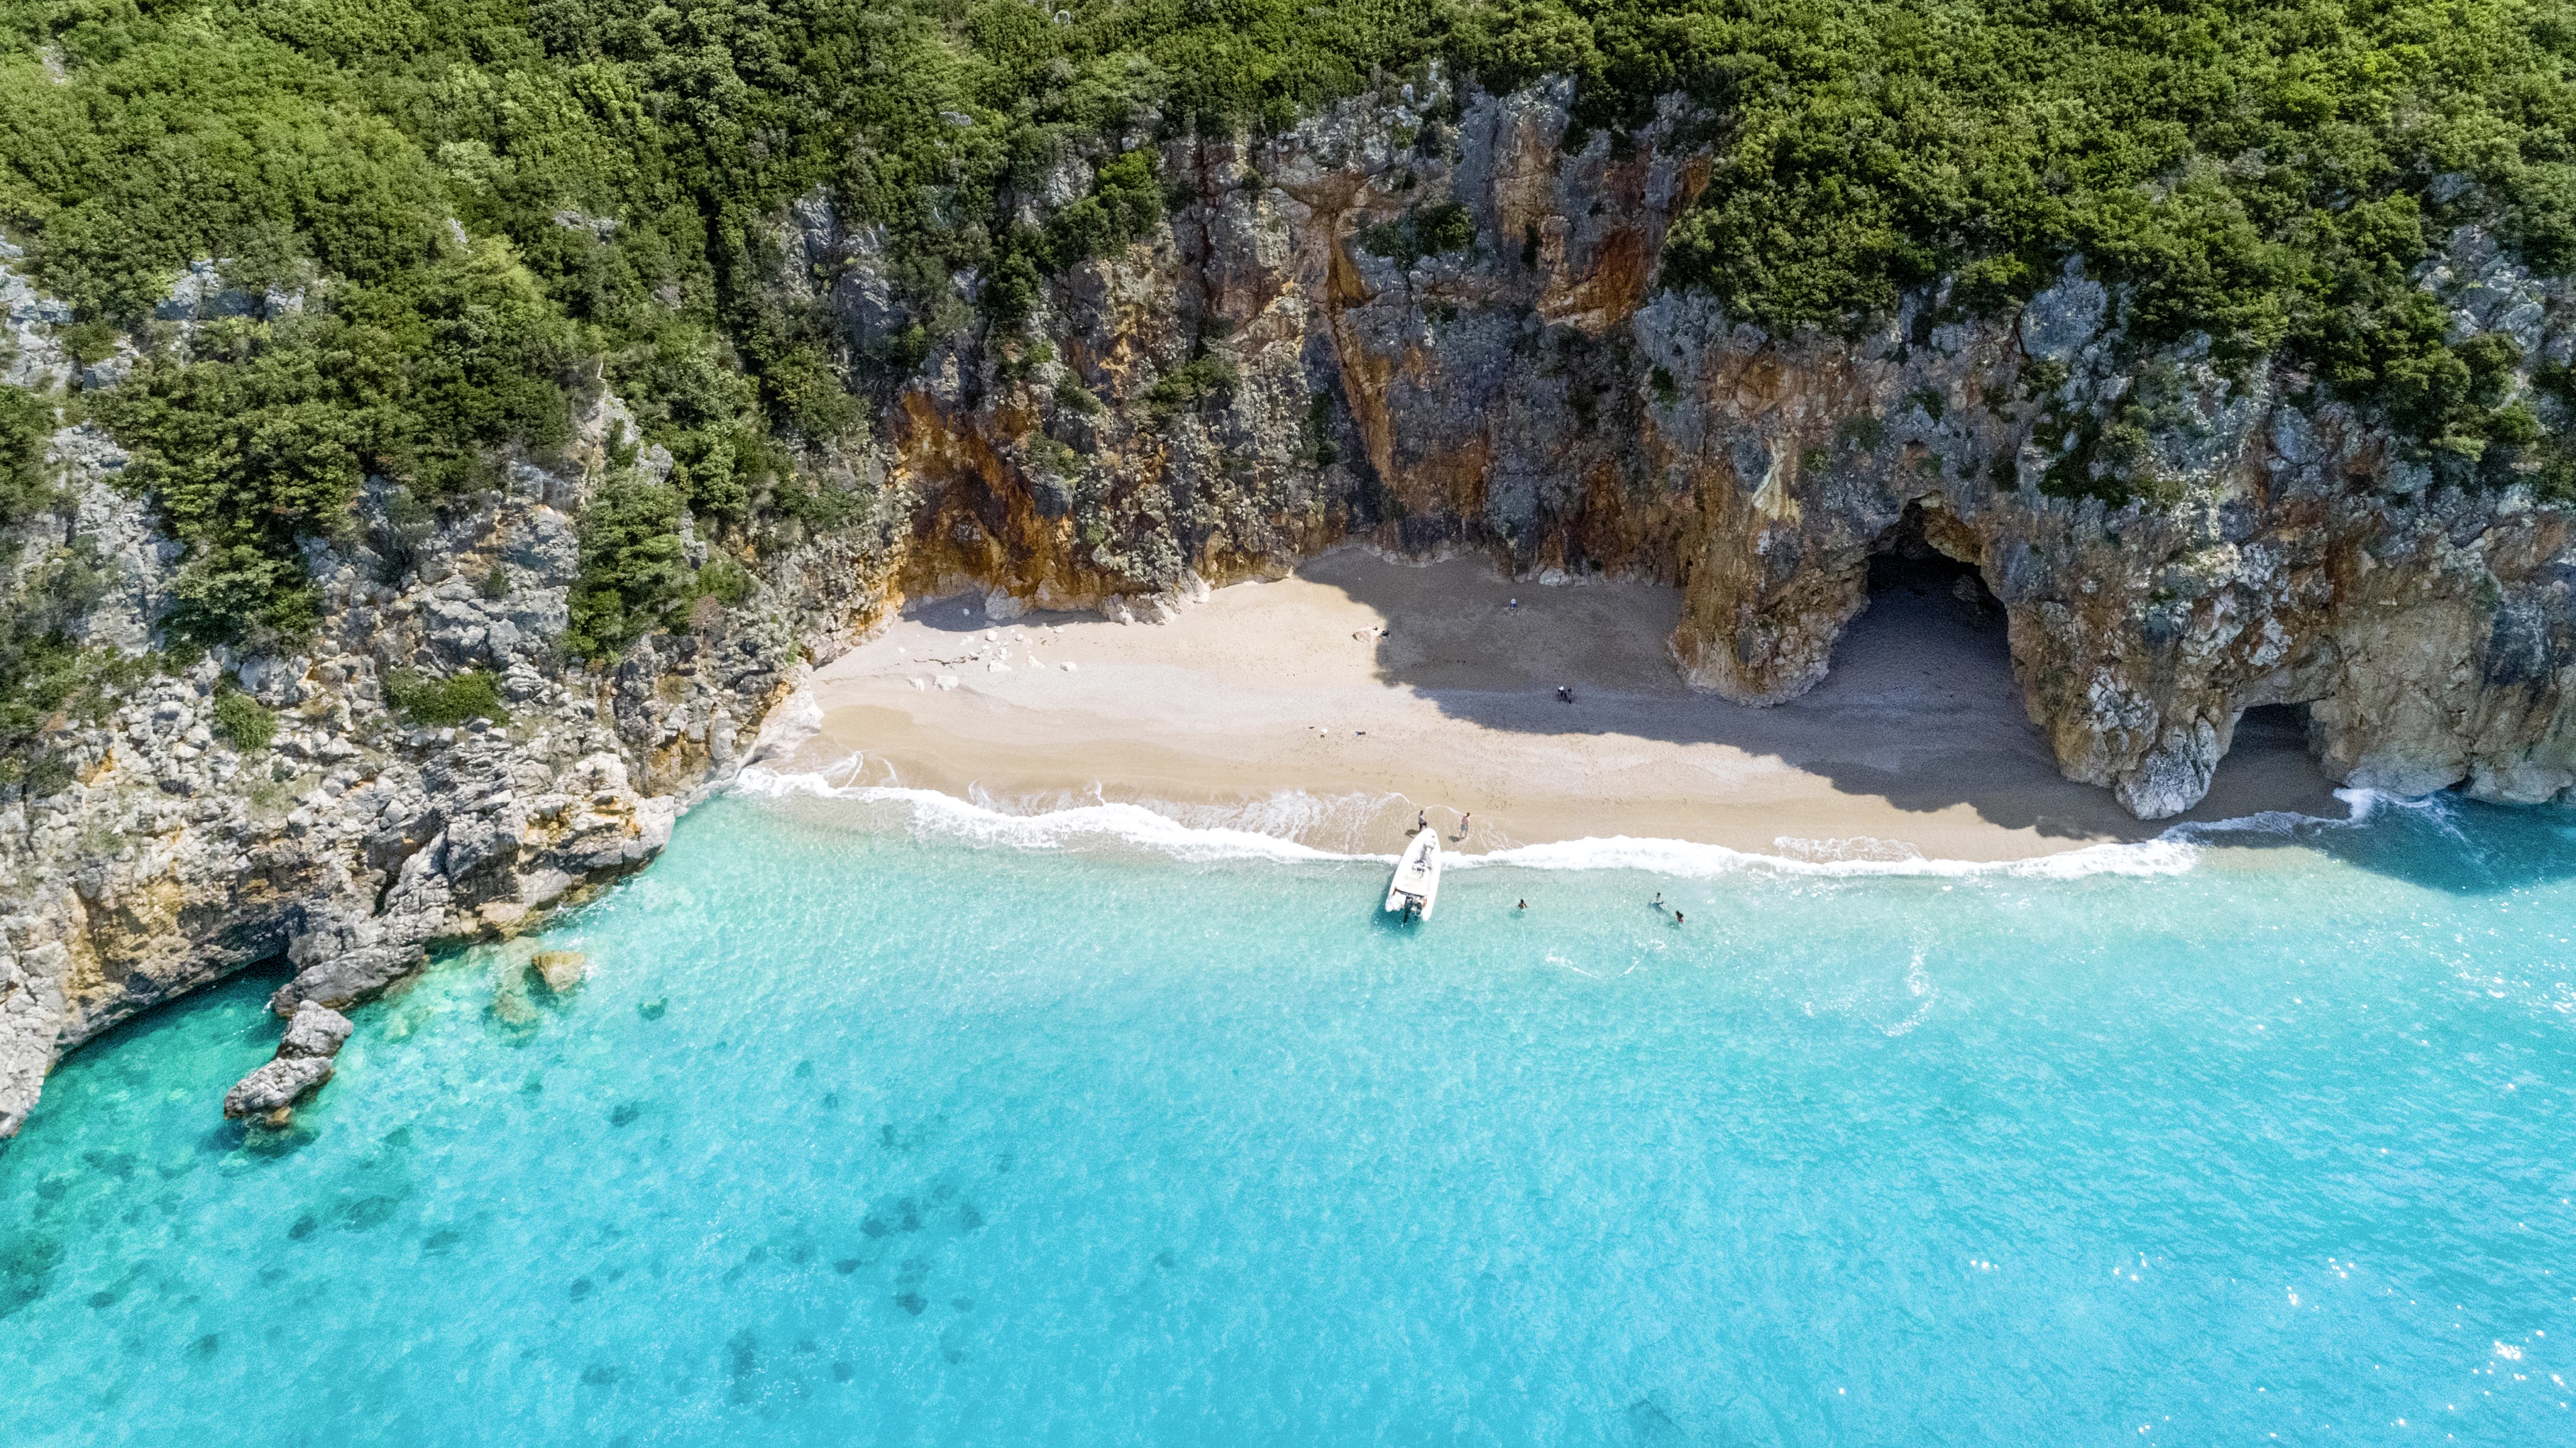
<point x="1921" y="708"/>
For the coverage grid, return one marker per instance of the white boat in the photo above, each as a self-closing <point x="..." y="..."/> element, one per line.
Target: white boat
<point x="1417" y="876"/>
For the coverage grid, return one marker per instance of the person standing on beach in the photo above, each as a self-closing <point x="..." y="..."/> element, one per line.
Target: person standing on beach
<point x="1462" y="825"/>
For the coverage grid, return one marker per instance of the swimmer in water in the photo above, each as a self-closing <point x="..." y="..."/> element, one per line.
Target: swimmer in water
<point x="1524" y="905"/>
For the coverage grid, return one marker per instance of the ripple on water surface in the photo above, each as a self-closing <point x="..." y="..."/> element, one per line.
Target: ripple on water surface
<point x="861" y="1132"/>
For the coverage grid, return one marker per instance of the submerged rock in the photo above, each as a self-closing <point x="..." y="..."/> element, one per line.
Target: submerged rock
<point x="561" y="970"/>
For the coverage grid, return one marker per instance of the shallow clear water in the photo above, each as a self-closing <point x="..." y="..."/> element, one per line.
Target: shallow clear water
<point x="865" y="1133"/>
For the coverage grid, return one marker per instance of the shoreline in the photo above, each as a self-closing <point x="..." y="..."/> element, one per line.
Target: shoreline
<point x="1329" y="706"/>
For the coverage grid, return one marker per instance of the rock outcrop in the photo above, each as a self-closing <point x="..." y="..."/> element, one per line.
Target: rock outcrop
<point x="276" y="1087"/>
<point x="1426" y="325"/>
<point x="303" y="1062"/>
<point x="314" y="1031"/>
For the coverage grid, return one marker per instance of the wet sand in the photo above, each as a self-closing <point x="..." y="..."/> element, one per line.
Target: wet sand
<point x="1281" y="707"/>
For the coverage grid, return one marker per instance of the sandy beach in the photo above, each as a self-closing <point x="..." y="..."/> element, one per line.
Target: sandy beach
<point x="1333" y="705"/>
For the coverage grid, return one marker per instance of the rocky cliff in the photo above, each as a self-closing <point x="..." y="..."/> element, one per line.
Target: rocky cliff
<point x="1430" y="322"/>
<point x="1519" y="383"/>
<point x="348" y="843"/>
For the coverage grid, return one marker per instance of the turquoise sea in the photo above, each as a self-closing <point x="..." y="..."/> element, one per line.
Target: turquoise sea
<point x="883" y="1120"/>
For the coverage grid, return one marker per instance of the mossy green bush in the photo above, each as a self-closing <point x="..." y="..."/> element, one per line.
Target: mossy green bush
<point x="446" y="703"/>
<point x="26" y="420"/>
<point x="243" y="721"/>
<point x="1430" y="230"/>
<point x="634" y="568"/>
<point x="46" y="676"/>
<point x="1203" y="379"/>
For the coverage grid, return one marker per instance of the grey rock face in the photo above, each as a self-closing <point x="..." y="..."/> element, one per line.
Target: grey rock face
<point x="278" y="1084"/>
<point x="315" y="1031"/>
<point x="34" y="357"/>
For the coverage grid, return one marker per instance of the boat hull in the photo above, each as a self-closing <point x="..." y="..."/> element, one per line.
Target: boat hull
<point x="1416" y="887"/>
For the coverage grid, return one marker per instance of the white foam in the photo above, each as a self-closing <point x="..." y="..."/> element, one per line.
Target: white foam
<point x="797" y="718"/>
<point x="1690" y="860"/>
<point x="1257" y="830"/>
<point x="2443" y="809"/>
<point x="1100" y="822"/>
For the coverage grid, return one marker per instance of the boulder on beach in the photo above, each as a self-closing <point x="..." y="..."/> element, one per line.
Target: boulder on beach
<point x="275" y="1085"/>
<point x="316" y="1030"/>
<point x="561" y="970"/>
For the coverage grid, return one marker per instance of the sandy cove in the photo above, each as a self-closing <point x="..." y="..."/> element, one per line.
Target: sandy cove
<point x="1281" y="706"/>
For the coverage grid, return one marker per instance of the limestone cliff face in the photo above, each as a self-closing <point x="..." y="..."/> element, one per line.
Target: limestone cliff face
<point x="1537" y="395"/>
<point x="1428" y="324"/>
<point x="350" y="844"/>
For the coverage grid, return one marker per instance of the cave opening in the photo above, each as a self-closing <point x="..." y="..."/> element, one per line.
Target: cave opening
<point x="1909" y="568"/>
<point x="2279" y="726"/>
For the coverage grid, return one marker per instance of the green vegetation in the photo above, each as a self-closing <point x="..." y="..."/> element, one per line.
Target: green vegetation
<point x="634" y="569"/>
<point x="1200" y="380"/>
<point x="1442" y="226"/>
<point x="25" y="420"/>
<point x="45" y="673"/>
<point x="489" y="208"/>
<point x="446" y="703"/>
<point x="243" y="721"/>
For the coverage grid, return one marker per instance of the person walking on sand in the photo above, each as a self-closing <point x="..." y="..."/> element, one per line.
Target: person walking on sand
<point x="1421" y="820"/>
<point x="1462" y="825"/>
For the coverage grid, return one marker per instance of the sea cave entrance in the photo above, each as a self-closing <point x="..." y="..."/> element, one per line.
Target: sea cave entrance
<point x="1910" y="574"/>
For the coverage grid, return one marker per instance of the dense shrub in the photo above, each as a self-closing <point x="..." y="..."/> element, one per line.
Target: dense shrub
<point x="1125" y="202"/>
<point x="25" y="422"/>
<point x="1442" y="226"/>
<point x="44" y="672"/>
<point x="445" y="703"/>
<point x="1200" y="380"/>
<point x="634" y="571"/>
<point x="244" y="721"/>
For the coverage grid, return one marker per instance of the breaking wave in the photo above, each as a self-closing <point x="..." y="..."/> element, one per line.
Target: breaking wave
<point x="1274" y="827"/>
